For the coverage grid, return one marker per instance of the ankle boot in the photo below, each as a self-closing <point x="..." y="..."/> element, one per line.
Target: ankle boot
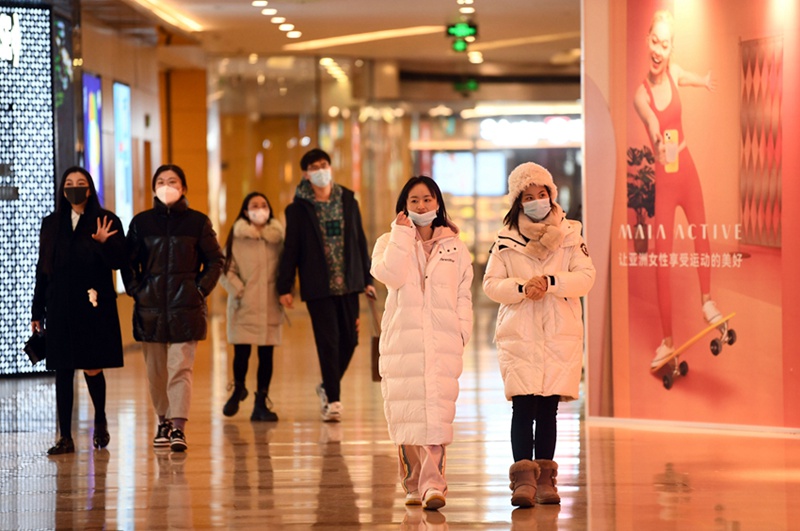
<point x="547" y="493"/>
<point x="232" y="405"/>
<point x="523" y="475"/>
<point x="261" y="411"/>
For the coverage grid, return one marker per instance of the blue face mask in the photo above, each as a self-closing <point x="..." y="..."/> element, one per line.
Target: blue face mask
<point x="537" y="209"/>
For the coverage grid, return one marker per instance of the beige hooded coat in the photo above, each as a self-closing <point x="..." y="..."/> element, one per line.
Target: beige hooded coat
<point x="254" y="313"/>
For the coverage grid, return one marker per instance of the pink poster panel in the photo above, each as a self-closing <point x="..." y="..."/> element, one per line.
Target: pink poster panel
<point x="701" y="245"/>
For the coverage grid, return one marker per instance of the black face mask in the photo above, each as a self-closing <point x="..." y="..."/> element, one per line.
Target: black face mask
<point x="76" y="194"/>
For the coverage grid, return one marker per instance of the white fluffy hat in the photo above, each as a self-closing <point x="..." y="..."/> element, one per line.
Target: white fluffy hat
<point x="526" y="174"/>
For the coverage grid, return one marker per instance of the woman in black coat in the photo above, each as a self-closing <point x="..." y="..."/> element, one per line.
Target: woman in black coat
<point x="75" y="302"/>
<point x="175" y="262"/>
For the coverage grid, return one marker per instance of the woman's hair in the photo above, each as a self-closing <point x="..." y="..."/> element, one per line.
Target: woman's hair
<point x="178" y="171"/>
<point x="666" y="17"/>
<point x="402" y="200"/>
<point x="62" y="205"/>
<point x="512" y="216"/>
<point x="229" y="241"/>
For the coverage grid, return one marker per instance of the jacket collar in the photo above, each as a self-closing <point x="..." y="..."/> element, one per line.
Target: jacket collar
<point x="181" y="205"/>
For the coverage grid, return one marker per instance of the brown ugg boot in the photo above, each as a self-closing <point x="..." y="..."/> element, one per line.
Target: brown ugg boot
<point x="547" y="493"/>
<point x="523" y="475"/>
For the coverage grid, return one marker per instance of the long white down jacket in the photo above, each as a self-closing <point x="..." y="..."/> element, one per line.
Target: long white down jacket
<point x="254" y="313"/>
<point x="426" y="323"/>
<point x="540" y="343"/>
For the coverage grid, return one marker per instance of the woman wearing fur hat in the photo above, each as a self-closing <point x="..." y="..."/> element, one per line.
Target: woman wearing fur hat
<point x="252" y="252"/>
<point x="428" y="320"/>
<point x="538" y="269"/>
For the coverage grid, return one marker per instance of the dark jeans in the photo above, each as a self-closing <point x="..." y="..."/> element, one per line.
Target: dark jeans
<point x="241" y="358"/>
<point x="334" y="322"/>
<point x="542" y="410"/>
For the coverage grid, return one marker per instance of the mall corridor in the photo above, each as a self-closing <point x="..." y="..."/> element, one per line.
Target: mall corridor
<point x="301" y="473"/>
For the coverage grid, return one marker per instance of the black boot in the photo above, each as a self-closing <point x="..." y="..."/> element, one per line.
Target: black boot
<point x="261" y="411"/>
<point x="101" y="436"/>
<point x="232" y="405"/>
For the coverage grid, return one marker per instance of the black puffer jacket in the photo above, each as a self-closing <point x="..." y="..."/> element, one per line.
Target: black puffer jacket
<point x="175" y="262"/>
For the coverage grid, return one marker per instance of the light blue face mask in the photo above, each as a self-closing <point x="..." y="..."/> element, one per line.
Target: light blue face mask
<point x="320" y="178"/>
<point x="537" y="209"/>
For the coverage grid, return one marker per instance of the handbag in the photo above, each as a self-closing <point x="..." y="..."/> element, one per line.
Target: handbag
<point x="376" y="339"/>
<point x="36" y="347"/>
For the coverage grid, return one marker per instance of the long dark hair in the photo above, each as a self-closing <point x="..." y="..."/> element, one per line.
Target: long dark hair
<point x="242" y="215"/>
<point x="62" y="205"/>
<point x="512" y="216"/>
<point x="402" y="200"/>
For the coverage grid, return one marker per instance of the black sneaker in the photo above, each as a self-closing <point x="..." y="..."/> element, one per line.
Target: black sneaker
<point x="63" y="446"/>
<point x="161" y="440"/>
<point x="177" y="441"/>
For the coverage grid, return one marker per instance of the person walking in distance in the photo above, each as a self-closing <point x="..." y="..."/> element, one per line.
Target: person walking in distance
<point x="252" y="251"/>
<point x="325" y="244"/>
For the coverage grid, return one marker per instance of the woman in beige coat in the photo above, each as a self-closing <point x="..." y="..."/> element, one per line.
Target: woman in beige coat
<point x="254" y="313"/>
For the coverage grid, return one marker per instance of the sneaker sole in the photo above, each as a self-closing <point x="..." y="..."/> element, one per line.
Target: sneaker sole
<point x="160" y="444"/>
<point x="178" y="447"/>
<point x="434" y="503"/>
<point x="414" y="501"/>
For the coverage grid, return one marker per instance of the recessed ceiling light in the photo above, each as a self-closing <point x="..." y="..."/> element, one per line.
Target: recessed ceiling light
<point x="259" y="3"/>
<point x="253" y="59"/>
<point x="277" y="20"/>
<point x="286" y="27"/>
<point x="269" y="11"/>
<point x="466" y="10"/>
<point x="465" y="2"/>
<point x="294" y="34"/>
<point x="326" y="61"/>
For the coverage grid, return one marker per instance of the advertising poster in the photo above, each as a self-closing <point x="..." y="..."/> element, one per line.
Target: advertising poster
<point x="699" y="242"/>
<point x="92" y="130"/>
<point x="123" y="160"/>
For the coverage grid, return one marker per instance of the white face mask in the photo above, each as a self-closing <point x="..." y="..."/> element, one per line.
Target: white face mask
<point x="321" y="178"/>
<point x="167" y="194"/>
<point x="259" y="216"/>
<point x="537" y="209"/>
<point x="422" y="220"/>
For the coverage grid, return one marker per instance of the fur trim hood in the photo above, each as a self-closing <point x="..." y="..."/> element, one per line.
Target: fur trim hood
<point x="272" y="232"/>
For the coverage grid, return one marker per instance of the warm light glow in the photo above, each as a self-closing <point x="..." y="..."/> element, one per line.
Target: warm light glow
<point x="269" y="11"/>
<point x="277" y="20"/>
<point x="294" y="34"/>
<point x="475" y="58"/>
<point x="253" y="58"/>
<point x="536" y="39"/>
<point x="466" y="10"/>
<point x="364" y="37"/>
<point x="259" y="3"/>
<point x="325" y="61"/>
<point x="286" y="27"/>
<point x="170" y="15"/>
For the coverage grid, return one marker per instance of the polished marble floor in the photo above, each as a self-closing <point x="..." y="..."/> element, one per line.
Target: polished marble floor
<point x="301" y="473"/>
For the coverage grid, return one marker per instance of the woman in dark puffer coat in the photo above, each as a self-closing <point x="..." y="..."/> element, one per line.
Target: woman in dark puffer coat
<point x="175" y="262"/>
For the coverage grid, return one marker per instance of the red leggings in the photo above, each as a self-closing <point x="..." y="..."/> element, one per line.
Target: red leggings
<point x="679" y="189"/>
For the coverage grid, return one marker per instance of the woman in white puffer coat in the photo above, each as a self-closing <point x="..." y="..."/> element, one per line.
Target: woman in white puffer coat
<point x="255" y="316"/>
<point x="538" y="269"/>
<point x="427" y="321"/>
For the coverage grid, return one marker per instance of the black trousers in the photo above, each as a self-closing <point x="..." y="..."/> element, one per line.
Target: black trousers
<point x="527" y="410"/>
<point x="336" y="335"/>
<point x="241" y="358"/>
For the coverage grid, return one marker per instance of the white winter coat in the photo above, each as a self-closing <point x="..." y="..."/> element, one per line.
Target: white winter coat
<point x="426" y="323"/>
<point x="254" y="312"/>
<point x="540" y="343"/>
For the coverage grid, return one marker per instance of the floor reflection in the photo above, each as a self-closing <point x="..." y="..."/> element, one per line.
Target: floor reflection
<point x="301" y="473"/>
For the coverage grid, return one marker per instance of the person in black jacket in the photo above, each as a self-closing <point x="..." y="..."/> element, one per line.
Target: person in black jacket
<point x="75" y="302"/>
<point x="175" y="262"/>
<point x="325" y="242"/>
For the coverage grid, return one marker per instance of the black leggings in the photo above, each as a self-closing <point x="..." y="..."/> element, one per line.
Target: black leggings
<point x="241" y="357"/>
<point x="65" y="396"/>
<point x="542" y="410"/>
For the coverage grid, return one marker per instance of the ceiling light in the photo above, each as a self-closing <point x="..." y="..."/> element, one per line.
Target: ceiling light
<point x="286" y="27"/>
<point x="326" y="61"/>
<point x="294" y="34"/>
<point x="536" y="39"/>
<point x="466" y="10"/>
<point x="261" y="79"/>
<point x="269" y="11"/>
<point x="253" y="58"/>
<point x="475" y="58"/>
<point x="259" y="3"/>
<point x="363" y="37"/>
<point x="465" y="2"/>
<point x="170" y="15"/>
<point x="277" y="20"/>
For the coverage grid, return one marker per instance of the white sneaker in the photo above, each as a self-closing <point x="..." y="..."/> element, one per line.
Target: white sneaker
<point x="711" y="312"/>
<point x="662" y="352"/>
<point x="332" y="412"/>
<point x="413" y="498"/>
<point x="434" y="499"/>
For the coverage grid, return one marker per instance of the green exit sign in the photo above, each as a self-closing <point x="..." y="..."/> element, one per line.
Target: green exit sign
<point x="462" y="29"/>
<point x="470" y="85"/>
